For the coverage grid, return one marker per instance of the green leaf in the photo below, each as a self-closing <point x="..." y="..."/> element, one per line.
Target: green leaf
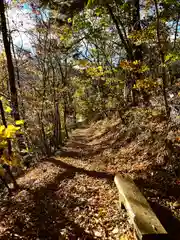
<point x="98" y="12"/>
<point x="90" y="3"/>
<point x="171" y="57"/>
<point x="144" y="68"/>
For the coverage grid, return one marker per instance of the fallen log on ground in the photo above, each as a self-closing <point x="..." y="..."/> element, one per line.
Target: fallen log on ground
<point x="146" y="224"/>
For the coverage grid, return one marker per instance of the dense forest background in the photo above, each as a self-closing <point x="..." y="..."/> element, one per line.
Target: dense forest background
<point x="86" y="62"/>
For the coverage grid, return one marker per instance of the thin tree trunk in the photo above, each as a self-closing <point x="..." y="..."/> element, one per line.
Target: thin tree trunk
<point x="65" y="117"/>
<point x="136" y="26"/>
<point x="176" y="31"/>
<point x="64" y="95"/>
<point x="23" y="113"/>
<point x="10" y="66"/>
<point x="162" y="59"/>
<point x="58" y="138"/>
<point x="124" y="42"/>
<point x="127" y="45"/>
<point x="46" y="148"/>
<point x="11" y="74"/>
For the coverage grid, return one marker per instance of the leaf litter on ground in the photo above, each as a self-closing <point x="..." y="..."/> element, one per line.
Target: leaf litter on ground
<point x="73" y="196"/>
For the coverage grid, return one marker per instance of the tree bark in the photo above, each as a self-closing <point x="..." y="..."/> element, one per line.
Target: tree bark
<point x="176" y="30"/>
<point x="123" y="40"/>
<point x="11" y="73"/>
<point x="162" y="59"/>
<point x="57" y="127"/>
<point x="10" y="66"/>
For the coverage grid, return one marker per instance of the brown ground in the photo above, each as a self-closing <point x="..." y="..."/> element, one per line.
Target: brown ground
<point x="73" y="196"/>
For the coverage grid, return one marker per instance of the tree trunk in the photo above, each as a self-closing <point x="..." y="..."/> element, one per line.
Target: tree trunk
<point x="10" y="66"/>
<point x="11" y="74"/>
<point x="162" y="59"/>
<point x="136" y="26"/>
<point x="65" y="118"/>
<point x="176" y="31"/>
<point x="57" y="126"/>
<point x="124" y="41"/>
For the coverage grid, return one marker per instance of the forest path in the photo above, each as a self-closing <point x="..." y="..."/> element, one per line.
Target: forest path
<point x="73" y="196"/>
<point x="70" y="196"/>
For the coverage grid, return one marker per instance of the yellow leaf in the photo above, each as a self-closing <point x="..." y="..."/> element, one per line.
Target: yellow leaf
<point x="8" y="109"/>
<point x="69" y="20"/>
<point x="19" y="122"/>
<point x="62" y="38"/>
<point x="3" y="144"/>
<point x="100" y="68"/>
<point x="2" y="128"/>
<point x="136" y="62"/>
<point x="10" y="131"/>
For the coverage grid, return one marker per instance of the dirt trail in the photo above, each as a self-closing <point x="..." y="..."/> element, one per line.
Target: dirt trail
<point x="69" y="196"/>
<point x="72" y="195"/>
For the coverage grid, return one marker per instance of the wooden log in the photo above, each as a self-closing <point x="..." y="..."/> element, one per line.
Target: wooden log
<point x="147" y="225"/>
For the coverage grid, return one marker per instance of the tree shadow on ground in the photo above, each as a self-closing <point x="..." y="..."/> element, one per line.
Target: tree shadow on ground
<point x="74" y="169"/>
<point x="81" y="147"/>
<point x="111" y="129"/>
<point x="44" y="215"/>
